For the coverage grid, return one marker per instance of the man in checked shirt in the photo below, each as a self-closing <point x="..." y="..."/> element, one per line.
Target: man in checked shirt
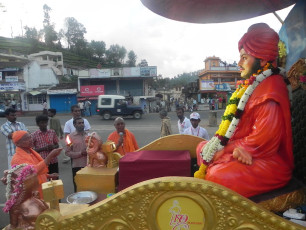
<point x="7" y="129"/>
<point x="45" y="140"/>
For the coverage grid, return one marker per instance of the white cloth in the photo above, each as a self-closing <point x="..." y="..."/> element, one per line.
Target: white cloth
<point x="184" y="125"/>
<point x="199" y="131"/>
<point x="69" y="127"/>
<point x="81" y="105"/>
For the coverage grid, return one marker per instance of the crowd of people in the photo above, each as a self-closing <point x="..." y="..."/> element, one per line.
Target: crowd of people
<point x="43" y="146"/>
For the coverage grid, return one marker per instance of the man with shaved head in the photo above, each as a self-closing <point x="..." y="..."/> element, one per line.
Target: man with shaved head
<point x="124" y="139"/>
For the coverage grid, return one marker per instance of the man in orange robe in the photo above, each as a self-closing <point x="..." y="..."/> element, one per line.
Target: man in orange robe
<point x="124" y="139"/>
<point x="258" y="157"/>
<point x="26" y="155"/>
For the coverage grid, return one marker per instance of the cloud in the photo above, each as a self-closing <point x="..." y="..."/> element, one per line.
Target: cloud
<point x="174" y="47"/>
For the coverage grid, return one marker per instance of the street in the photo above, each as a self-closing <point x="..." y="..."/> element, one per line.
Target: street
<point x="146" y="130"/>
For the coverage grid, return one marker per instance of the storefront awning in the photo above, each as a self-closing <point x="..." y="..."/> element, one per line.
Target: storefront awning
<point x="34" y="92"/>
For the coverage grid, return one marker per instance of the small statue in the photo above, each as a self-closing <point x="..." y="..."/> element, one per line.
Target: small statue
<point x="23" y="202"/>
<point x="109" y="148"/>
<point x="96" y="158"/>
<point x="99" y="154"/>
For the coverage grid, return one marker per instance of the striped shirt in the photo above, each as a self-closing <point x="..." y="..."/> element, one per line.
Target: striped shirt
<point x="43" y="139"/>
<point x="7" y="128"/>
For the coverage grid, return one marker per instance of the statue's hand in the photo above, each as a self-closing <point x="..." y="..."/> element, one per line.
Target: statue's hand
<point x="242" y="155"/>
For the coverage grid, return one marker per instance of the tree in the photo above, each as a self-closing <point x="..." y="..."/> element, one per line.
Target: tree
<point x="143" y="63"/>
<point x="98" y="48"/>
<point x="115" y="55"/>
<point x="49" y="32"/>
<point x="74" y="33"/>
<point x="131" y="62"/>
<point x="31" y="33"/>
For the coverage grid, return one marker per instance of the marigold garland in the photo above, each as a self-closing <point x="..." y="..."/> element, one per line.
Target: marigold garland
<point x="232" y="114"/>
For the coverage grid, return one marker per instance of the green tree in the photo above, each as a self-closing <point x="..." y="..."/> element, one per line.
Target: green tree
<point x="143" y="63"/>
<point x="98" y="47"/>
<point x="115" y="55"/>
<point x="31" y="33"/>
<point x="131" y="62"/>
<point x="74" y="33"/>
<point x="49" y="32"/>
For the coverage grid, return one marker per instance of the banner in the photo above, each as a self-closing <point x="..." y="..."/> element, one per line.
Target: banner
<point x="149" y="71"/>
<point x="91" y="90"/>
<point x="223" y="87"/>
<point x="99" y="73"/>
<point x="12" y="86"/>
<point x="131" y="72"/>
<point x="207" y="85"/>
<point x="11" y="78"/>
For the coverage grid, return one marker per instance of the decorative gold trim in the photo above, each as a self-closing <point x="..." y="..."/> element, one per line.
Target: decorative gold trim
<point x="285" y="201"/>
<point x="175" y="142"/>
<point x="137" y="206"/>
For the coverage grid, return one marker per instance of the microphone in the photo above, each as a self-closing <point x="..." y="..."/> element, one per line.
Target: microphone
<point x="121" y="135"/>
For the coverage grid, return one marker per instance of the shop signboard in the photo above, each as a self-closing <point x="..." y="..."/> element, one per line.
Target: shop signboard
<point x="12" y="86"/>
<point x="0" y="76"/>
<point x="207" y="85"/>
<point x="11" y="78"/>
<point x="61" y="91"/>
<point x="131" y="72"/>
<point x="99" y="73"/>
<point x="223" y="87"/>
<point x="91" y="90"/>
<point x="148" y="71"/>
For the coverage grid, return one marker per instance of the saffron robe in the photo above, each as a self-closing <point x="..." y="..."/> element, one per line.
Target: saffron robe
<point x="129" y="142"/>
<point x="33" y="158"/>
<point x="265" y="132"/>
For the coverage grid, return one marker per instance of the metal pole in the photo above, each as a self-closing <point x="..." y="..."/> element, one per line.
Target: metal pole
<point x="278" y="17"/>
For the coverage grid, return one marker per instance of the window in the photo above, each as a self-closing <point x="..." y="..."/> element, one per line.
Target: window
<point x="106" y="101"/>
<point x="37" y="99"/>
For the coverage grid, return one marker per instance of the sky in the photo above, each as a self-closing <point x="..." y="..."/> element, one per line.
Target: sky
<point x="174" y="47"/>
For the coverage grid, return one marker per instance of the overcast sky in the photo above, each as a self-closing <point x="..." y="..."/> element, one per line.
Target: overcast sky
<point x="174" y="47"/>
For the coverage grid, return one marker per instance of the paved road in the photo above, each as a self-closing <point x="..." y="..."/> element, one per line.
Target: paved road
<point x="146" y="130"/>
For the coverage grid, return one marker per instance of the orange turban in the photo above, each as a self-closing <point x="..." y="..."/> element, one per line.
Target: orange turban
<point x="17" y="135"/>
<point x="261" y="42"/>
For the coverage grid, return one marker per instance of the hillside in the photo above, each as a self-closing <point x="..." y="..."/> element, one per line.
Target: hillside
<point x="23" y="46"/>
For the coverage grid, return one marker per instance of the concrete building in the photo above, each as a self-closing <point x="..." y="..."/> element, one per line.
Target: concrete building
<point x="12" y="83"/>
<point x="218" y="78"/>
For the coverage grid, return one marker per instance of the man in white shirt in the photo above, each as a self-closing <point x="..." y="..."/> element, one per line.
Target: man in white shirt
<point x="183" y="122"/>
<point x="69" y="127"/>
<point x="195" y="129"/>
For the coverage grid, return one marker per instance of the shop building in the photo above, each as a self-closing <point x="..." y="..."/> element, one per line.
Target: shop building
<point x="218" y="78"/>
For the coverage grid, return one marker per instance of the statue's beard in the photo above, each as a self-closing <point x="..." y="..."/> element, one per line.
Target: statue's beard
<point x="256" y="66"/>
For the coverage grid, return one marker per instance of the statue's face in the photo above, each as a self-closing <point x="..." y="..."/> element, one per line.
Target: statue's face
<point x="94" y="144"/>
<point x="246" y="64"/>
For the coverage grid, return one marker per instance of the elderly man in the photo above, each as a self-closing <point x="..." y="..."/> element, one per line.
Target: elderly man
<point x="26" y="155"/>
<point x="124" y="139"/>
<point x="251" y="152"/>
<point x="7" y="129"/>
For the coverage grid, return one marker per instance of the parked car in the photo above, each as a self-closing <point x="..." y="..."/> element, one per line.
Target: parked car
<point x="116" y="105"/>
